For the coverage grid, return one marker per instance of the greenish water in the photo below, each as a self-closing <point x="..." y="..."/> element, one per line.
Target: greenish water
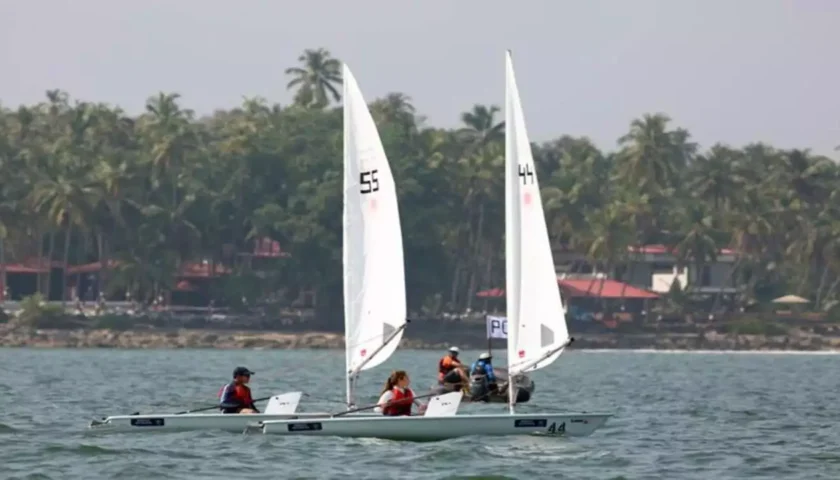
<point x="677" y="416"/>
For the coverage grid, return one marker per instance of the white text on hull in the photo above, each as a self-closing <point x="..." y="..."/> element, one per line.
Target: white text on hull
<point x="421" y="428"/>
<point x="195" y="421"/>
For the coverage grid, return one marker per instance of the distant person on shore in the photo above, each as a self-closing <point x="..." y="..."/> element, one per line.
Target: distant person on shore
<point x="450" y="369"/>
<point x="484" y="367"/>
<point x="235" y="397"/>
<point x="397" y="398"/>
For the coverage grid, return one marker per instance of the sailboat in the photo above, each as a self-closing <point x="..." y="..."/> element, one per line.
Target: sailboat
<point x="279" y="406"/>
<point x="535" y="340"/>
<point x="537" y="331"/>
<point x="374" y="272"/>
<point x="374" y="280"/>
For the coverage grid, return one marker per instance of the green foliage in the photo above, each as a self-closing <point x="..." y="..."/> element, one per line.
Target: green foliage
<point x="37" y="314"/>
<point x="144" y="194"/>
<point x="755" y="326"/>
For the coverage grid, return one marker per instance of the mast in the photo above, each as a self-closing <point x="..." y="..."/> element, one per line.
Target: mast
<point x="345" y="254"/>
<point x="512" y="233"/>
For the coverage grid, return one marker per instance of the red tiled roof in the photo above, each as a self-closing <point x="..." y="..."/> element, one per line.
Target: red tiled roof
<point x="32" y="265"/>
<point x="89" y="267"/>
<point x="185" y="286"/>
<point x="585" y="287"/>
<point x="491" y="293"/>
<point x="188" y="270"/>
<point x="18" y="268"/>
<point x="662" y="249"/>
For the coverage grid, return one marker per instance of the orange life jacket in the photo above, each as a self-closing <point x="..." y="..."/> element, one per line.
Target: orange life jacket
<point x="445" y="365"/>
<point x="400" y="404"/>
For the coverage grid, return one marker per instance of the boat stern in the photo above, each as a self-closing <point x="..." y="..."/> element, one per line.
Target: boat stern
<point x="581" y="425"/>
<point x="100" y="423"/>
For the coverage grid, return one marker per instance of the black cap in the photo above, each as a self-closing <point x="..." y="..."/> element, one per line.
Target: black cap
<point x="242" y="371"/>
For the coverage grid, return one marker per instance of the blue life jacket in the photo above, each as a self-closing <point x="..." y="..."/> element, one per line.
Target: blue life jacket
<point x="485" y="367"/>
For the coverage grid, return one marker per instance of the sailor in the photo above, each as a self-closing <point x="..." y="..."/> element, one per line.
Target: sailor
<point x="484" y="366"/>
<point x="236" y="397"/>
<point x="397" y="398"/>
<point x="448" y="364"/>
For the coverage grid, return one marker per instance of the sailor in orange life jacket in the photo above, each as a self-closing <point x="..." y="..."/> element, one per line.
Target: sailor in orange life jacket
<point x="447" y="365"/>
<point x="397" y="398"/>
<point x="235" y="397"/>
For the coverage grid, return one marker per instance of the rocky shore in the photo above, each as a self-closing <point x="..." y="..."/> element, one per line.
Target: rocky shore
<point x="227" y="339"/>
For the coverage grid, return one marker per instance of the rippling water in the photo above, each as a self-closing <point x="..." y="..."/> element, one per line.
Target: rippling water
<point x="677" y="416"/>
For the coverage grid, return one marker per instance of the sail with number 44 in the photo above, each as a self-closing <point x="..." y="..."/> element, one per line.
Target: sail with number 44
<point x="374" y="277"/>
<point x="537" y="331"/>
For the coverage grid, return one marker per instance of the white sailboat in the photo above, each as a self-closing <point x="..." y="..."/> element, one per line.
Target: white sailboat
<point x="537" y="331"/>
<point x="374" y="280"/>
<point x="279" y="406"/>
<point x="374" y="276"/>
<point x="535" y="340"/>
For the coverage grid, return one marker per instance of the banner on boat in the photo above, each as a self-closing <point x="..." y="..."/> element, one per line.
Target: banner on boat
<point x="496" y="327"/>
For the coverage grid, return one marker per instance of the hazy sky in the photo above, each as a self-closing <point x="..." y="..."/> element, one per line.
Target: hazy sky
<point x="735" y="71"/>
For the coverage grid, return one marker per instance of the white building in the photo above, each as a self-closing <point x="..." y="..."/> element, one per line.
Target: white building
<point x="655" y="268"/>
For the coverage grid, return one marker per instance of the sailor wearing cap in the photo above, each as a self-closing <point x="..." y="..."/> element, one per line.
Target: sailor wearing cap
<point x="448" y="364"/>
<point x="484" y="366"/>
<point x="236" y="397"/>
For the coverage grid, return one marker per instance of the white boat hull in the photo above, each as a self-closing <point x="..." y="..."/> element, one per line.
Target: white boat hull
<point x="195" y="421"/>
<point x="420" y="428"/>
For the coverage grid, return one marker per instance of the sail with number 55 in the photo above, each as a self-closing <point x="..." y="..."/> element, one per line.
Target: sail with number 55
<point x="374" y="277"/>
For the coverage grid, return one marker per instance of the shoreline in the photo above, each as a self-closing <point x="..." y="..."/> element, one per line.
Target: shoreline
<point x="708" y="341"/>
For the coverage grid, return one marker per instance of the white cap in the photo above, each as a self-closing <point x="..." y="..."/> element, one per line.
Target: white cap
<point x="484" y="356"/>
<point x="454" y="349"/>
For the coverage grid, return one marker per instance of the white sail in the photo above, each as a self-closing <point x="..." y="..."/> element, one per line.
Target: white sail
<point x="537" y="331"/>
<point x="374" y="278"/>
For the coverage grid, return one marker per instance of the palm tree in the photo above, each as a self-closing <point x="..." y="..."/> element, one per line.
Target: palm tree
<point x="652" y="156"/>
<point x="394" y="108"/>
<point x="315" y="79"/>
<point x="715" y="177"/>
<point x="698" y="244"/>
<point x="480" y="187"/>
<point x="610" y="233"/>
<point x="481" y="125"/>
<point x="67" y="198"/>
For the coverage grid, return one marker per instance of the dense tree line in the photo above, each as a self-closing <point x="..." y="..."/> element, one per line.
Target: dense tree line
<point x="84" y="181"/>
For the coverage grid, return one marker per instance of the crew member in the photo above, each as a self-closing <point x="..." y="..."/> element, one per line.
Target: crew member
<point x="484" y="366"/>
<point x="397" y="398"/>
<point x="236" y="397"/>
<point x="448" y="364"/>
